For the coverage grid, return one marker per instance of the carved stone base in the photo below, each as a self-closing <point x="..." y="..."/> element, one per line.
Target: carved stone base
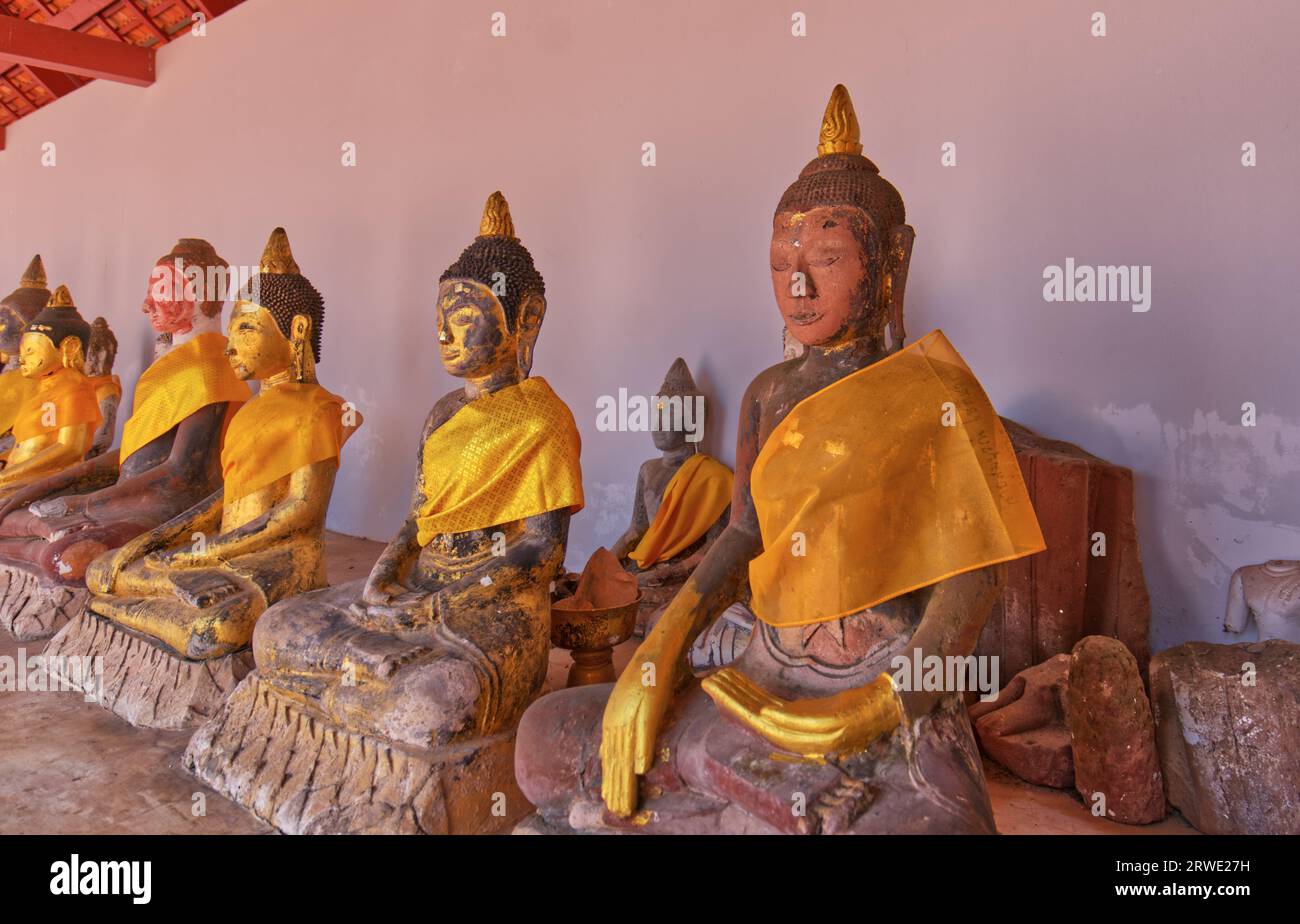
<point x="143" y="682"/>
<point x="297" y="770"/>
<point x="33" y="607"/>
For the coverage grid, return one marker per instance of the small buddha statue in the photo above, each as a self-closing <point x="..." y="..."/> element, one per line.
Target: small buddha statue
<point x="875" y="495"/>
<point x="190" y="605"/>
<point x="681" y="501"/>
<point x="423" y="668"/>
<point x="17" y="309"/>
<point x="1268" y="593"/>
<point x="168" y="461"/>
<point x="54" y="427"/>
<point x="108" y="387"/>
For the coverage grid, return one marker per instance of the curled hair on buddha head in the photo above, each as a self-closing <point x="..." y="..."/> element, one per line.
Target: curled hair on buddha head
<point x="194" y="256"/>
<point x="61" y="320"/>
<point x="497" y="256"/>
<point x="281" y="288"/>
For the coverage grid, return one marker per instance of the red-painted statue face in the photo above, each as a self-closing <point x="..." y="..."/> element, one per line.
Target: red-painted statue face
<point x="820" y="275"/>
<point x="171" y="301"/>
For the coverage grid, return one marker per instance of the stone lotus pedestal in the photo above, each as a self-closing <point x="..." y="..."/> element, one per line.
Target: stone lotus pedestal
<point x="1230" y="749"/>
<point x="1053" y="599"/>
<point x="32" y="607"/>
<point x="295" y="769"/>
<point x="143" y="681"/>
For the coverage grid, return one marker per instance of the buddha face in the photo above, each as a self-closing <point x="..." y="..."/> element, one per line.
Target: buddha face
<point x="38" y="356"/>
<point x="255" y="346"/>
<point x="822" y="274"/>
<point x="171" y="301"/>
<point x="473" y="338"/>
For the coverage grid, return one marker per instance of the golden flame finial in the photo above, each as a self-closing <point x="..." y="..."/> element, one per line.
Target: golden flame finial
<point x="277" y="258"/>
<point x="840" y="133"/>
<point x="34" y="276"/>
<point x="61" y="298"/>
<point x="496" y="218"/>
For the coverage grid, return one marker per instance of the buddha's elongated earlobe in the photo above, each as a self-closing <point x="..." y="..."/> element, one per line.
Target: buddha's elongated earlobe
<point x="71" y="354"/>
<point x="303" y="363"/>
<point x="897" y="259"/>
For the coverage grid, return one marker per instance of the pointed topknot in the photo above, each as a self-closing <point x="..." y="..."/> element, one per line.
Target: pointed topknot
<point x="496" y="220"/>
<point x="61" y="298"/>
<point x="840" y="133"/>
<point x="34" y="275"/>
<point x="679" y="381"/>
<point x="277" y="258"/>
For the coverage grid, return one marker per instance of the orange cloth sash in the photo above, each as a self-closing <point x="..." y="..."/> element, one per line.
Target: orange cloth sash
<point x="502" y="457"/>
<point x="283" y="429"/>
<point x="695" y="497"/>
<point x="15" y="389"/>
<point x="889" y="480"/>
<point x="182" y="381"/>
<point x="63" y="399"/>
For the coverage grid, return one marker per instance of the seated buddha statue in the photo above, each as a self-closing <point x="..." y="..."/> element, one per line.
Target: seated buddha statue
<point x="108" y="387"/>
<point x="54" y="427"/>
<point x="168" y="461"/>
<point x="681" y="500"/>
<point x="875" y="494"/>
<point x="409" y="684"/>
<point x="16" y="309"/>
<point x="190" y="605"/>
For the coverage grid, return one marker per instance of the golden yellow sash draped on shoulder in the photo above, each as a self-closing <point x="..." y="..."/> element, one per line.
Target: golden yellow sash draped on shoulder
<point x="502" y="457"/>
<point x="695" y="497"/>
<point x="15" y="388"/>
<point x="63" y="399"/>
<point x="185" y="379"/>
<point x="889" y="480"/>
<point x="285" y="428"/>
<point x="106" y="385"/>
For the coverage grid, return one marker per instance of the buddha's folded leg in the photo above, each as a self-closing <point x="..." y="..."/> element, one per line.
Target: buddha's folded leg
<point x="557" y="748"/>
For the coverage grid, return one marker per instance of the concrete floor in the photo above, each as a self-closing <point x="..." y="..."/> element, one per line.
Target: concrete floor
<point x="70" y="767"/>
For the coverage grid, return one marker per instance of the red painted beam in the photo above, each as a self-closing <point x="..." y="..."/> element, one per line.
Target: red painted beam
<point x="74" y="53"/>
<point x="214" y="8"/>
<point x="77" y="12"/>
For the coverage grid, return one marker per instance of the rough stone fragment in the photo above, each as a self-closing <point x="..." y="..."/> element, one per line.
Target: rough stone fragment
<point x="1228" y="723"/>
<point x="1113" y="733"/>
<point x="1024" y="729"/>
<point x="33" y="607"/>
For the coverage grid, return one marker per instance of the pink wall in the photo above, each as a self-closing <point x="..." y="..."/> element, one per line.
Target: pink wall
<point x="1123" y="149"/>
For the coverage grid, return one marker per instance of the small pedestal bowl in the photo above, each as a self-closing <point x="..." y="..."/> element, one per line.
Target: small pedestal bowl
<point x="590" y="636"/>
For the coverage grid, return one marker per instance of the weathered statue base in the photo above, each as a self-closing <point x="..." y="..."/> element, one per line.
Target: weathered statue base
<point x="297" y="770"/>
<point x="33" y="607"/>
<point x="144" y="683"/>
<point x="720" y="778"/>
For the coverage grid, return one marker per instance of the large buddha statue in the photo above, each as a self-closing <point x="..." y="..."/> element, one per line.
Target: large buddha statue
<point x="172" y="611"/>
<point x="875" y="494"/>
<point x="169" y="458"/>
<point x="17" y="309"/>
<point x="390" y="704"/>
<point x="681" y="499"/>
<point x="55" y="425"/>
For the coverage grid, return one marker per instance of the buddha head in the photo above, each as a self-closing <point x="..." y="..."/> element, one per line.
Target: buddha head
<point x="187" y="288"/>
<point x="840" y="243"/>
<point x="672" y="411"/>
<point x="491" y="301"/>
<point x="21" y="305"/>
<point x="277" y="320"/>
<point x="102" y="352"/>
<point x="57" y="338"/>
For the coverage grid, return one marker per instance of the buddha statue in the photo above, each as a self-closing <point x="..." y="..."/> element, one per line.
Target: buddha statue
<point x="681" y="500"/>
<point x="17" y="309"/>
<point x="54" y="426"/>
<point x="875" y="495"/>
<point x="171" y="615"/>
<point x="168" y="461"/>
<point x="390" y="704"/>
<point x="108" y="387"/>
